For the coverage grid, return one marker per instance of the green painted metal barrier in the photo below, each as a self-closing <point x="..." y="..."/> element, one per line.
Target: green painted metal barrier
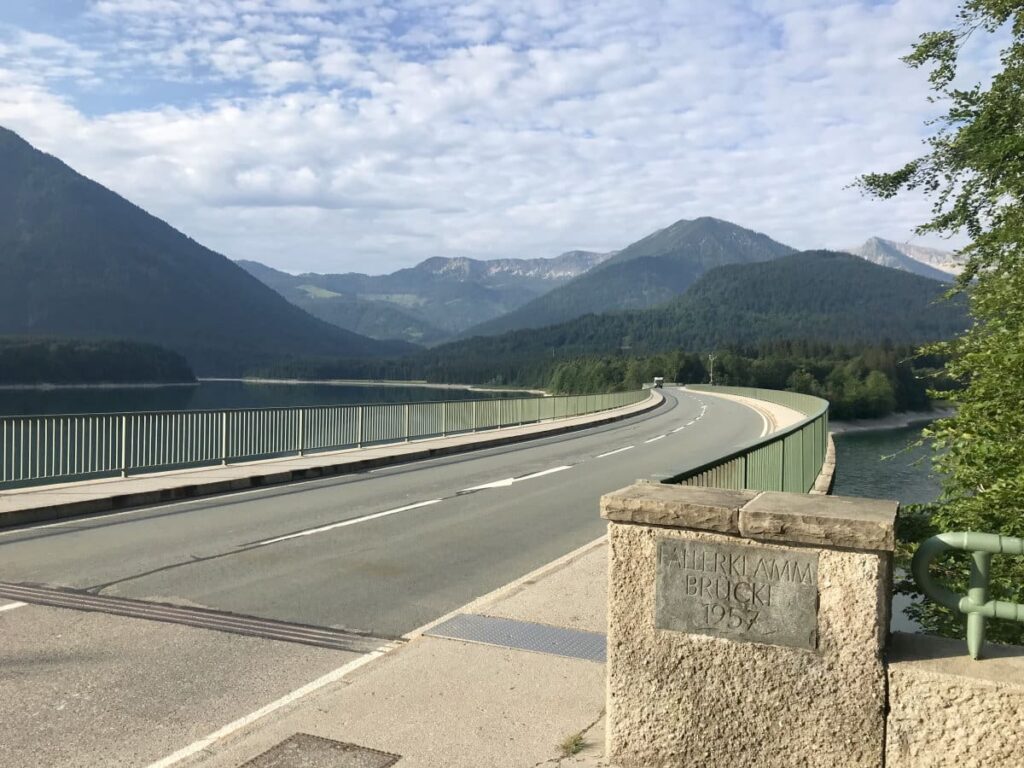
<point x="49" y="449"/>
<point x="788" y="460"/>
<point x="975" y="605"/>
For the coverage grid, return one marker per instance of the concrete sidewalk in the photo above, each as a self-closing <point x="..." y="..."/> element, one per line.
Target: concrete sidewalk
<point x="51" y="502"/>
<point x="439" y="700"/>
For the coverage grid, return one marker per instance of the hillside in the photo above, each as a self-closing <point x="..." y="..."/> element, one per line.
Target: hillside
<point x="812" y="296"/>
<point x="927" y="262"/>
<point x="80" y="261"/>
<point x="647" y="273"/>
<point x="429" y="302"/>
<point x="71" y="361"/>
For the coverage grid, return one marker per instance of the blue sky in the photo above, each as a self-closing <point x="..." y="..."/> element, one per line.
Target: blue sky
<point x="355" y="135"/>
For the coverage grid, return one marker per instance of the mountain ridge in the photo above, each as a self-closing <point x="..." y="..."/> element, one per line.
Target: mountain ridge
<point x="645" y="273"/>
<point x="80" y="261"/>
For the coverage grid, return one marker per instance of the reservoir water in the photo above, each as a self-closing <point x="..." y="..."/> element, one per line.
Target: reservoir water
<point x="881" y="465"/>
<point x="213" y="395"/>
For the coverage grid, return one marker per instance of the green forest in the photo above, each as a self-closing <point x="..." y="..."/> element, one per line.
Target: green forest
<point x="70" y="361"/>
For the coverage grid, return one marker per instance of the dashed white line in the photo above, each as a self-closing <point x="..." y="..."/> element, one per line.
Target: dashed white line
<point x="679" y="429"/>
<point x="505" y="483"/>
<point x="691" y="423"/>
<point x="242" y="722"/>
<point x="659" y="437"/>
<point x="11" y="606"/>
<point x="345" y="523"/>
<point x="617" y="450"/>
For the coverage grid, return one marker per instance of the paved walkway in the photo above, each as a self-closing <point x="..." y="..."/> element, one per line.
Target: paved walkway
<point x="439" y="700"/>
<point x="50" y="502"/>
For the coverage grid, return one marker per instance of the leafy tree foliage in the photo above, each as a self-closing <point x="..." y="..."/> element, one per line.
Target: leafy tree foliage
<point x="73" y="361"/>
<point x="973" y="170"/>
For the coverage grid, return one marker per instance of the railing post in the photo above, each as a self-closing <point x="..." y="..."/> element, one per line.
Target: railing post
<point x="302" y="431"/>
<point x="224" y="437"/>
<point x="124" y="446"/>
<point x="977" y="593"/>
<point x="407" y="422"/>
<point x="474" y="415"/>
<point x="444" y="419"/>
<point x="359" y="426"/>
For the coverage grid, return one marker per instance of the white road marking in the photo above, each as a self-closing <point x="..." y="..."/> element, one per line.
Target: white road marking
<point x="346" y="523"/>
<point x="11" y="606"/>
<point x="617" y="450"/>
<point x="691" y="423"/>
<point x="544" y="472"/>
<point x="679" y="429"/>
<point x="659" y="437"/>
<point x="298" y="693"/>
<point x="505" y="483"/>
<point x="496" y="484"/>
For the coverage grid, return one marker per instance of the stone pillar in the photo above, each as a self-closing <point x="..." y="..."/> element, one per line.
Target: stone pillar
<point x="746" y="628"/>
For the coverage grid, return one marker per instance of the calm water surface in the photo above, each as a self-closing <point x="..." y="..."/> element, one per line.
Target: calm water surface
<point x="880" y="465"/>
<point x="219" y="394"/>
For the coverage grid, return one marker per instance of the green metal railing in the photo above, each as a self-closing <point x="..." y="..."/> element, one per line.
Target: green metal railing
<point x="787" y="460"/>
<point x="40" y="449"/>
<point x="975" y="605"/>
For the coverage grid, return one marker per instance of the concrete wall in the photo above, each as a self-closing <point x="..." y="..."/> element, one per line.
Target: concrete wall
<point x="948" y="710"/>
<point x="731" y="696"/>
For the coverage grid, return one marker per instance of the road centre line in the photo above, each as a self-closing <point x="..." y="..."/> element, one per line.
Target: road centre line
<point x="659" y="437"/>
<point x="679" y="429"/>
<point x="298" y="693"/>
<point x="346" y="523"/>
<point x="510" y="480"/>
<point x="617" y="450"/>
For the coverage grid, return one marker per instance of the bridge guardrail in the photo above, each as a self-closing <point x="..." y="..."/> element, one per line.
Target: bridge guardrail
<point x="975" y="605"/>
<point x="788" y="460"/>
<point x="36" y="449"/>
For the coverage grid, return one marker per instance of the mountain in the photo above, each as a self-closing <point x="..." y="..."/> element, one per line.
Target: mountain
<point x="927" y="262"/>
<point x="429" y="302"/>
<point x="376" y="319"/>
<point x="649" y="272"/>
<point x="79" y="261"/>
<point x="809" y="296"/>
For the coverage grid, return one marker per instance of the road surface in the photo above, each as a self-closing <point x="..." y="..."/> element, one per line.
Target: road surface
<point x="378" y="554"/>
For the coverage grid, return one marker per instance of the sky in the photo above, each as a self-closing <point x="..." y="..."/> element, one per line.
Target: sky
<point x="357" y="135"/>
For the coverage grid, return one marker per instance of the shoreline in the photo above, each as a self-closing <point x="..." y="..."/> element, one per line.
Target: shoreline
<point x="377" y="383"/>
<point x="892" y="421"/>
<point x="46" y="387"/>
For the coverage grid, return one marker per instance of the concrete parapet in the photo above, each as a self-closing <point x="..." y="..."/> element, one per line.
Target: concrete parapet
<point x="746" y="629"/>
<point x="947" y="709"/>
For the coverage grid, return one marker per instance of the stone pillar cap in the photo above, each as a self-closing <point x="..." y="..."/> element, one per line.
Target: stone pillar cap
<point x="795" y="518"/>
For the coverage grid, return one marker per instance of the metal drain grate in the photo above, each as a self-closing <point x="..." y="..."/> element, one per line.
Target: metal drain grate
<point x="523" y="635"/>
<point x="202" y="618"/>
<point x="305" y="751"/>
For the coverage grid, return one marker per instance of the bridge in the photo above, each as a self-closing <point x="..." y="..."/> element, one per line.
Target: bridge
<point x="105" y="619"/>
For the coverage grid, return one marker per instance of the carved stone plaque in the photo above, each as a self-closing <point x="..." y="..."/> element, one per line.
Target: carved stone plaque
<point x="744" y="593"/>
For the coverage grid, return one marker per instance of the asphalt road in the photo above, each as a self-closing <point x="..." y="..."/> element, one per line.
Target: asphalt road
<point x="259" y="553"/>
<point x="382" y="552"/>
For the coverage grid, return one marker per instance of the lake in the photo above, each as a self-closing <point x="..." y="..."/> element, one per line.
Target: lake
<point x="881" y="465"/>
<point x="214" y="395"/>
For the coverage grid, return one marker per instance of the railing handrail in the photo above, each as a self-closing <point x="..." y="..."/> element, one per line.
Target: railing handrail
<point x="975" y="605"/>
<point x="166" y="411"/>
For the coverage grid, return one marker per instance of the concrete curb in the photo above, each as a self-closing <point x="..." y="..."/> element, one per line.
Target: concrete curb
<point x="265" y="475"/>
<point x="826" y="479"/>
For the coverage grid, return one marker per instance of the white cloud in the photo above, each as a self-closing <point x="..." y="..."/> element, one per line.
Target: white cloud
<point x="342" y="135"/>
